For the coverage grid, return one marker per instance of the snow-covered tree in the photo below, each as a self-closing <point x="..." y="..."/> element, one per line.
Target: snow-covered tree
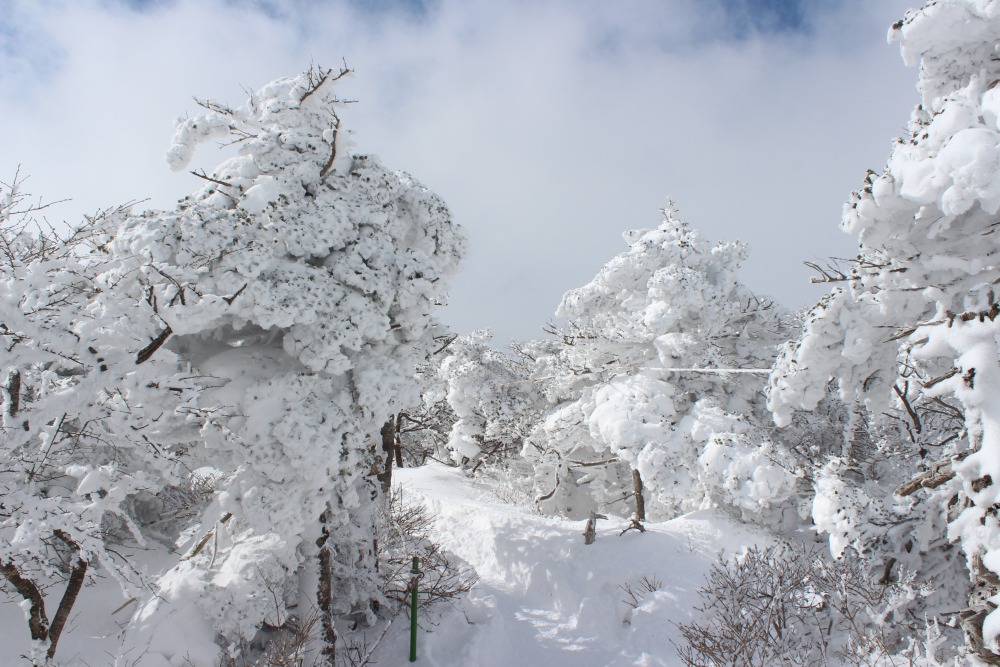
<point x="92" y="429"/>
<point x="912" y="331"/>
<point x="655" y="384"/>
<point x="299" y="283"/>
<point x="492" y="398"/>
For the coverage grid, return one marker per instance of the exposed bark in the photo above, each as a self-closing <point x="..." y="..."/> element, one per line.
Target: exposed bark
<point x="546" y="496"/>
<point x="591" y="464"/>
<point x="333" y="149"/>
<point x="910" y="410"/>
<point x="324" y="596"/>
<point x="73" y="587"/>
<point x="38" y="623"/>
<point x="388" y="453"/>
<point x="635" y="522"/>
<point x="590" y="529"/>
<point x="941" y="378"/>
<point x="154" y="345"/>
<point x="985" y="584"/>
<point x="207" y="537"/>
<point x="399" y="443"/>
<point x="208" y="178"/>
<point x="14" y="392"/>
<point x="933" y="477"/>
<point x="640" y="501"/>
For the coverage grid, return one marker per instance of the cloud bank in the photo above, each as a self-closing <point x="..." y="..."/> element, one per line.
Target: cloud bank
<point x="549" y="126"/>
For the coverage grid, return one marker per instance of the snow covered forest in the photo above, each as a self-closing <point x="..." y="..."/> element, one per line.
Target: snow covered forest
<point x="229" y="427"/>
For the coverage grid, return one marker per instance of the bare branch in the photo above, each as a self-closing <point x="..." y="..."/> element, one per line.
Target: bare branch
<point x="206" y="177"/>
<point x="154" y="345"/>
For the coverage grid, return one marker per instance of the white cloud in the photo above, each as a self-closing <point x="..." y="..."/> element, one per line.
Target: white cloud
<point x="550" y="127"/>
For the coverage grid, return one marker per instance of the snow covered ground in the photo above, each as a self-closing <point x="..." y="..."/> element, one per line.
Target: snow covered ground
<point x="545" y="598"/>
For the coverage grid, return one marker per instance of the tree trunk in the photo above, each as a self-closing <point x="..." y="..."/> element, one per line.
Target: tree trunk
<point x="640" y="501"/>
<point x="14" y="392"/>
<point x="324" y="596"/>
<point x="72" y="591"/>
<point x="388" y="453"/>
<point x="399" y="441"/>
<point x="590" y="529"/>
<point x="154" y="345"/>
<point x="38" y="623"/>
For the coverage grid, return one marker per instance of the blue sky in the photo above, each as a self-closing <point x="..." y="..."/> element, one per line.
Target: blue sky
<point x="549" y="126"/>
<point x="768" y="15"/>
<point x="743" y="16"/>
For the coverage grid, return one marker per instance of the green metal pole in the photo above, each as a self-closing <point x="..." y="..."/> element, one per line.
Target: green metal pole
<point x="413" y="610"/>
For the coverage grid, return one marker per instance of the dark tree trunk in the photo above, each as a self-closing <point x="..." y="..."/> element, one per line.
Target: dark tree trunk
<point x="38" y="623"/>
<point x="640" y="501"/>
<point x="399" y="442"/>
<point x="14" y="392"/>
<point x="590" y="529"/>
<point x="324" y="596"/>
<point x="73" y="587"/>
<point x="154" y="345"/>
<point x="388" y="454"/>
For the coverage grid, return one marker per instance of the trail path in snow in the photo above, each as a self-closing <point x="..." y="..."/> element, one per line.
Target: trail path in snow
<point x="545" y="598"/>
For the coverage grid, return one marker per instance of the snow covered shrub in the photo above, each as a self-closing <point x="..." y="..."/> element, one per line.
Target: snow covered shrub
<point x="299" y="283"/>
<point x="654" y="386"/>
<point x="477" y="405"/>
<point x="288" y="646"/>
<point x="492" y="397"/>
<point x="511" y="482"/>
<point x="422" y="429"/>
<point x="635" y="592"/>
<point x="913" y="327"/>
<point x="91" y="425"/>
<point x="403" y="534"/>
<point x="784" y="605"/>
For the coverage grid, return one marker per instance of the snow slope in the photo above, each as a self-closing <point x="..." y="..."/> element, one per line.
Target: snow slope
<point x="546" y="599"/>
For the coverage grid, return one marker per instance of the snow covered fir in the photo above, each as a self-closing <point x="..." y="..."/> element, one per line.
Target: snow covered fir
<point x="232" y="428"/>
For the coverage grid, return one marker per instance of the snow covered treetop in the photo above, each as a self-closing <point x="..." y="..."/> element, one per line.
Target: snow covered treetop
<point x="926" y="224"/>
<point x="670" y="280"/>
<point x="280" y="123"/>
<point x="295" y="234"/>
<point x="951" y="40"/>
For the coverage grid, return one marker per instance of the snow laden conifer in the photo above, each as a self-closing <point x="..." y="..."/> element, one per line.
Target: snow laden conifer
<point x="912" y="328"/>
<point x="654" y="385"/>
<point x="299" y="283"/>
